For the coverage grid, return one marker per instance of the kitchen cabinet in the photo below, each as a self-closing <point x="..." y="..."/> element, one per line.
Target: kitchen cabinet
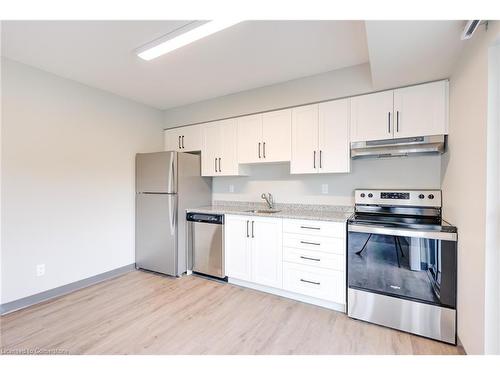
<point x="320" y="138"/>
<point x="265" y="137"/>
<point x="253" y="249"/>
<point x="237" y="247"/>
<point x="305" y="134"/>
<point x="219" y="149"/>
<point x="184" y="139"/>
<point x="371" y="116"/>
<point x="421" y="110"/>
<point x="412" y="111"/>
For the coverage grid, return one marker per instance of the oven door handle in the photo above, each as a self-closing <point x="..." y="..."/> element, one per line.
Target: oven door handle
<point x="402" y="232"/>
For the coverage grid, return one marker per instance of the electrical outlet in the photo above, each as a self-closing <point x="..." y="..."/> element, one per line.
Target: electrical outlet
<point x="231" y="188"/>
<point x="324" y="188"/>
<point x="40" y="269"/>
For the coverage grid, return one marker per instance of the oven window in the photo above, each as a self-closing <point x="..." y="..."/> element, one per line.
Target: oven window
<point x="402" y="266"/>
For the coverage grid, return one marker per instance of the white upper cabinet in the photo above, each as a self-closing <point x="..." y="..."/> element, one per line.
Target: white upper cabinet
<point x="277" y="136"/>
<point x="184" y="139"/>
<point x="334" y="134"/>
<point x="421" y="110"/>
<point x="371" y="116"/>
<point x="250" y="139"/>
<point x="320" y="138"/>
<point x="264" y="137"/>
<point x="219" y="156"/>
<point x="406" y="112"/>
<point x="305" y="135"/>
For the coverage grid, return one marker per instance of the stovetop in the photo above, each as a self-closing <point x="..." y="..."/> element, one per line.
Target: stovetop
<point x="429" y="223"/>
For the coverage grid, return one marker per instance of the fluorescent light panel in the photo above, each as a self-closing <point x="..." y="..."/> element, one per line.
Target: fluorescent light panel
<point x="186" y="38"/>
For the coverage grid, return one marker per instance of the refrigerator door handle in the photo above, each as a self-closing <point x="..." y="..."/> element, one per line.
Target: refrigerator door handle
<point x="172" y="210"/>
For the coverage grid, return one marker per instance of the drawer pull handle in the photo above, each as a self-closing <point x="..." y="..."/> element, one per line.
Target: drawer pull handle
<point x="310" y="243"/>
<point x="310" y="282"/>
<point x="315" y="259"/>
<point x="303" y="227"/>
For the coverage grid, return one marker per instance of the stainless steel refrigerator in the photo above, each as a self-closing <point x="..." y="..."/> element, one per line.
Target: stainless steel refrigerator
<point x="167" y="183"/>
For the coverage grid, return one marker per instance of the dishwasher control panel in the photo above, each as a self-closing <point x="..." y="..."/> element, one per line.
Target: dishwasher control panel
<point x="205" y="218"/>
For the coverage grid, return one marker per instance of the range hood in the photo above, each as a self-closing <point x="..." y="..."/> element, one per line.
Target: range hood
<point x="434" y="144"/>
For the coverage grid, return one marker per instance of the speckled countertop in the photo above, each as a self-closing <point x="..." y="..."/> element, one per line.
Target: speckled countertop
<point x="287" y="211"/>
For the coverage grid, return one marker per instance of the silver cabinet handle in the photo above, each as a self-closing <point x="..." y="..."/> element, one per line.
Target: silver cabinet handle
<point x="247" y="229"/>
<point x="310" y="243"/>
<point x="320" y="154"/>
<point x="314" y="159"/>
<point x="259" y="150"/>
<point x="315" y="259"/>
<point x="179" y="142"/>
<point x="304" y="227"/>
<point x="215" y="164"/>
<point x="220" y="169"/>
<point x="182" y="141"/>
<point x="310" y="282"/>
<point x="389" y="122"/>
<point x="264" y="149"/>
<point x="252" y="229"/>
<point x="397" y="121"/>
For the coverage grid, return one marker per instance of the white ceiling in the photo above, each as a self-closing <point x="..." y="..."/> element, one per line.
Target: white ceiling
<point x="406" y="52"/>
<point x="248" y="55"/>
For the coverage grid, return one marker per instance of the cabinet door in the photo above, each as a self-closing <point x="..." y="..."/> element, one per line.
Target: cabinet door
<point x="237" y="247"/>
<point x="210" y="149"/>
<point x="277" y="135"/>
<point x="228" y="151"/>
<point x="334" y="128"/>
<point x="305" y="140"/>
<point x="372" y="116"/>
<point x="421" y="110"/>
<point x="267" y="251"/>
<point x="250" y="139"/>
<point x="191" y="138"/>
<point x="172" y="140"/>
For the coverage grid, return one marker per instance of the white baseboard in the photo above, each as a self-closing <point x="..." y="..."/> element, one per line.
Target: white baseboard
<point x="284" y="293"/>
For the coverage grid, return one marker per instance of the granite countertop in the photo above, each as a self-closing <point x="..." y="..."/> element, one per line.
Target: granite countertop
<point x="287" y="211"/>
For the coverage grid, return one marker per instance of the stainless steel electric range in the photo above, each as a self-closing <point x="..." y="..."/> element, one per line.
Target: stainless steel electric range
<point x="402" y="263"/>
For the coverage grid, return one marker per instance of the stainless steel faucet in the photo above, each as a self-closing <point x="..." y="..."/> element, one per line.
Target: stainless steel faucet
<point x="269" y="199"/>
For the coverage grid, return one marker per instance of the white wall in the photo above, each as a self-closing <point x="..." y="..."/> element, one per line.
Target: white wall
<point x="464" y="173"/>
<point x="492" y="251"/>
<point x="334" y="84"/>
<point x="412" y="172"/>
<point x="67" y="178"/>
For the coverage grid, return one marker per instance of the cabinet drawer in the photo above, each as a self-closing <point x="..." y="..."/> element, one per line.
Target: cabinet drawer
<point x="318" y="243"/>
<point x="314" y="258"/>
<point x="316" y="228"/>
<point x="314" y="282"/>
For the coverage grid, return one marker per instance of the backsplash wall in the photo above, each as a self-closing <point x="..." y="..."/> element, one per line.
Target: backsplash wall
<point x="419" y="172"/>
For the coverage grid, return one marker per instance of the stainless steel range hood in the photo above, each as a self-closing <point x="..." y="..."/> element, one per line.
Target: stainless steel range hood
<point x="434" y="144"/>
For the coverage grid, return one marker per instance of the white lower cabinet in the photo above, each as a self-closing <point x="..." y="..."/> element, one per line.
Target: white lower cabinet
<point x="314" y="282"/>
<point x="253" y="249"/>
<point x="301" y="259"/>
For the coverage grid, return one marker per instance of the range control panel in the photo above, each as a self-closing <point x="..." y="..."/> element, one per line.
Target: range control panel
<point x="417" y="198"/>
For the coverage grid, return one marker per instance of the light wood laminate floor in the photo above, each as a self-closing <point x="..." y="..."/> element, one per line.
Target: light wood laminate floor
<point x="144" y="313"/>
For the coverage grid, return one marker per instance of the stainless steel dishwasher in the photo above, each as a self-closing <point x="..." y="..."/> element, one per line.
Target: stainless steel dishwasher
<point x="205" y="235"/>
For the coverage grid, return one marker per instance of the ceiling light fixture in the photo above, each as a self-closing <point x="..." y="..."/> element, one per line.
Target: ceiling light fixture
<point x="208" y="28"/>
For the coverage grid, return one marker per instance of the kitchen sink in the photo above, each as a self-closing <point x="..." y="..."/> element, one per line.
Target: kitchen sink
<point x="268" y="211"/>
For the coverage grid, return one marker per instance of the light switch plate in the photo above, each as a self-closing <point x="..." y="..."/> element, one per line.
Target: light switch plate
<point x="324" y="188"/>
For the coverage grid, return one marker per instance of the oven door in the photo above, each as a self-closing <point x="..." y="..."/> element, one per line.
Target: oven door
<point x="405" y="263"/>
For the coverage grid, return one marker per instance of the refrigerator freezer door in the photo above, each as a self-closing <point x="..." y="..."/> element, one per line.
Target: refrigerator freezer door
<point x="156" y="172"/>
<point x="156" y="233"/>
